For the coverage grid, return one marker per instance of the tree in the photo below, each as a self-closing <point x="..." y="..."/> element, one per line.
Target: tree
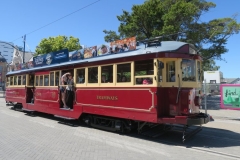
<point x="53" y="44"/>
<point x="179" y="20"/>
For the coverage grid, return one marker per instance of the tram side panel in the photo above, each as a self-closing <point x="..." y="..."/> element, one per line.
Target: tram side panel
<point x="17" y="94"/>
<point x="128" y="103"/>
<point x="173" y="102"/>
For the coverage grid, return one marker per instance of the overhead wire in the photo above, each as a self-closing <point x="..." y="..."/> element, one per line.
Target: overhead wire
<point x="59" y="19"/>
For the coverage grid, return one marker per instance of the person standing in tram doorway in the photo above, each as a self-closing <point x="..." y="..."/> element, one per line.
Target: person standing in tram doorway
<point x="64" y="80"/>
<point x="70" y="92"/>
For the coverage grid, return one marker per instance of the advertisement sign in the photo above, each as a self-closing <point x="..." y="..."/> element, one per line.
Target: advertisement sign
<point x="230" y="96"/>
<point x="51" y="58"/>
<point x="123" y="45"/>
<point x="90" y="52"/>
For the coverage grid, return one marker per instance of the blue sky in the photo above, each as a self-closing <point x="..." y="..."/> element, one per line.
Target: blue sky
<point x="22" y="17"/>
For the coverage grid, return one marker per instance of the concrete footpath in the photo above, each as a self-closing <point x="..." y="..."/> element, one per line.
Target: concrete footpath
<point x="223" y="114"/>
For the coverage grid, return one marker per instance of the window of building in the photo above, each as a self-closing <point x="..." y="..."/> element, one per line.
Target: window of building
<point x="212" y="81"/>
<point x="170" y="71"/>
<point x="46" y="80"/>
<point x="51" y="78"/>
<point x="93" y="75"/>
<point x="107" y="74"/>
<point x="80" y="76"/>
<point x="123" y="72"/>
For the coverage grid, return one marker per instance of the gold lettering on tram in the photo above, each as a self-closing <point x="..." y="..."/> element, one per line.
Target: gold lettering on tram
<point x="113" y="98"/>
<point x="53" y="94"/>
<point x="38" y="94"/>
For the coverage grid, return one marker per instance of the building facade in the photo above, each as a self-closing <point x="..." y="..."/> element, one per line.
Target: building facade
<point x="213" y="77"/>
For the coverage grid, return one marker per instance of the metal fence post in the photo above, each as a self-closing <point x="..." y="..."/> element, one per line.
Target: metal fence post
<point x="205" y="100"/>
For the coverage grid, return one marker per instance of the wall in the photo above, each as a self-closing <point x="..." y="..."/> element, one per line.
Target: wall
<point x="212" y="75"/>
<point x="230" y="96"/>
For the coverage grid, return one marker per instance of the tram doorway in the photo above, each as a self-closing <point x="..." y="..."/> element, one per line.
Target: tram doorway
<point x="30" y="89"/>
<point x="67" y="89"/>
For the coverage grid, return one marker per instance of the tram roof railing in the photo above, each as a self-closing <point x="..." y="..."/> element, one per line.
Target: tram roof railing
<point x="164" y="46"/>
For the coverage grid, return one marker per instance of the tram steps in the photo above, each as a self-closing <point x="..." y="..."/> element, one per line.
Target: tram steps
<point x="68" y="118"/>
<point x="28" y="110"/>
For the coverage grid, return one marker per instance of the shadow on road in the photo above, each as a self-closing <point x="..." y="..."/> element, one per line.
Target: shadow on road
<point x="213" y="103"/>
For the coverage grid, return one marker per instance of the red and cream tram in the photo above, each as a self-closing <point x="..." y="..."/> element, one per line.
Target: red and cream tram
<point x="158" y="83"/>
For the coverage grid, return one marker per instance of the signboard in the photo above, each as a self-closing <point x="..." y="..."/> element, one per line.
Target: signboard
<point x="230" y="96"/>
<point x="51" y="58"/>
<point x="123" y="45"/>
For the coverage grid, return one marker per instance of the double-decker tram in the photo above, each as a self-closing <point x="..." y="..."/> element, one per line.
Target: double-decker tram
<point x="114" y="89"/>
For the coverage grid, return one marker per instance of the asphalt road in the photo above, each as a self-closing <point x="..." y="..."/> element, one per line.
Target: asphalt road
<point x="44" y="137"/>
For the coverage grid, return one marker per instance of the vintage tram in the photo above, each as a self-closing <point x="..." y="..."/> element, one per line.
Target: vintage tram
<point x="155" y="83"/>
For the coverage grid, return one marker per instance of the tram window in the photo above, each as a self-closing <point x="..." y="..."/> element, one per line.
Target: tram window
<point x="11" y="81"/>
<point x="31" y="80"/>
<point x="188" y="70"/>
<point x="24" y="80"/>
<point x="81" y="75"/>
<point x="46" y="80"/>
<point x="160" y="76"/>
<point x="57" y="78"/>
<point x="199" y="71"/>
<point x="124" y="72"/>
<point x="15" y="80"/>
<point x="51" y="78"/>
<point x="170" y="66"/>
<point x="40" y="80"/>
<point x="37" y="80"/>
<point x="19" y="80"/>
<point x="107" y="74"/>
<point x="93" y="75"/>
<point x="144" y="67"/>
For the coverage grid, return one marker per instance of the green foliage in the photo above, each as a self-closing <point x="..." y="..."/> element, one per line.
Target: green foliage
<point x="111" y="36"/>
<point x="53" y="44"/>
<point x="178" y="20"/>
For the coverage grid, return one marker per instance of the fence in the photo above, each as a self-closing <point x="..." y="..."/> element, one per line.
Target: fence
<point x="212" y="88"/>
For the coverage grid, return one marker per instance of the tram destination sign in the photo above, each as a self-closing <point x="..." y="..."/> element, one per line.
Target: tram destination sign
<point x="51" y="58"/>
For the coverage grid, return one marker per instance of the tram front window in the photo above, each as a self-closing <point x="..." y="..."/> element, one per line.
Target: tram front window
<point x="171" y="74"/>
<point x="188" y="70"/>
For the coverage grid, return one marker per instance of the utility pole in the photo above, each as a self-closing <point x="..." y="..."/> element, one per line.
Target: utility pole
<point x="24" y="40"/>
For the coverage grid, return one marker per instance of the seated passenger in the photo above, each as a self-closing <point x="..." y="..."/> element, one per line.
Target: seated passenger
<point x="118" y="78"/>
<point x="147" y="81"/>
<point x="173" y="78"/>
<point x="139" y="81"/>
<point x="124" y="79"/>
<point x="103" y="80"/>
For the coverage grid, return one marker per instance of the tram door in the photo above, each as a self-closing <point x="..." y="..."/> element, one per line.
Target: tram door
<point x="29" y="88"/>
<point x="66" y="95"/>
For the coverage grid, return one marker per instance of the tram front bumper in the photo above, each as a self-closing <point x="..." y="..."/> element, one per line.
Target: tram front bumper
<point x="198" y="120"/>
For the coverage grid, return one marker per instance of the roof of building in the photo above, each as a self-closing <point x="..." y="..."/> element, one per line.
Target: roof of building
<point x="231" y="80"/>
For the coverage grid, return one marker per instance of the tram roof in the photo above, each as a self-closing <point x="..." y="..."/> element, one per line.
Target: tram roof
<point x="165" y="46"/>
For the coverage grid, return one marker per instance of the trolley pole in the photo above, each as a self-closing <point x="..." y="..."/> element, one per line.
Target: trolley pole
<point x="205" y="99"/>
<point x="24" y="40"/>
